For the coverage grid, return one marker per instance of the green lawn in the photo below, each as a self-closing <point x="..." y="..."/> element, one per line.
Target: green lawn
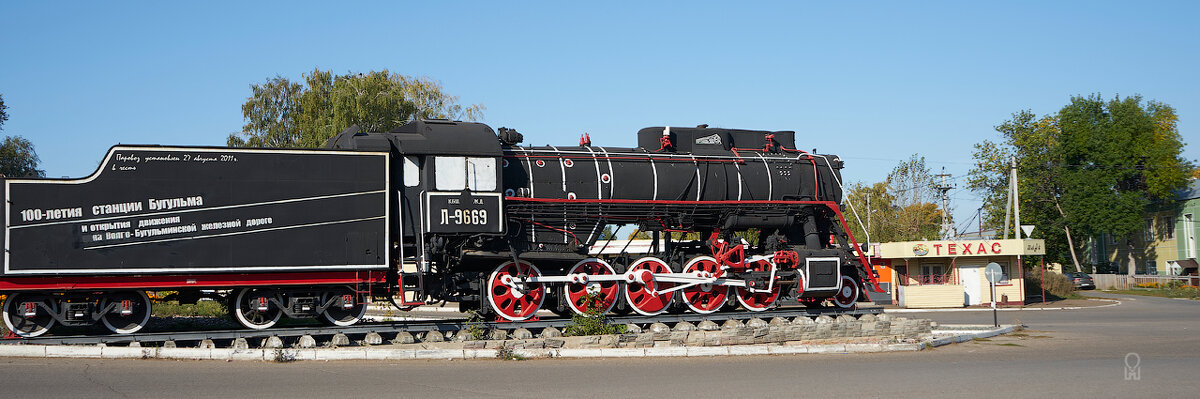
<point x="1189" y="293"/>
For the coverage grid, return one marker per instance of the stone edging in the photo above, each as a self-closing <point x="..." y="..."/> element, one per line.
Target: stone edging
<point x="380" y="353"/>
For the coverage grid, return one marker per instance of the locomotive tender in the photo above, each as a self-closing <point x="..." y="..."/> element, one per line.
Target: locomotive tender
<point x="432" y="211"/>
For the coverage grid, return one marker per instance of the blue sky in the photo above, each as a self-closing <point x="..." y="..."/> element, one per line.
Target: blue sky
<point x="873" y="82"/>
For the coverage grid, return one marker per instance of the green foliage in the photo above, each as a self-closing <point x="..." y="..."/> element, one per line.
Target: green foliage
<point x="475" y="326"/>
<point x="18" y="159"/>
<point x="1056" y="285"/>
<point x="609" y="233"/>
<point x="1178" y="291"/>
<point x="593" y="321"/>
<point x="901" y="208"/>
<point x="3" y="112"/>
<point x="1091" y="168"/>
<point x="282" y="113"/>
<point x="201" y="308"/>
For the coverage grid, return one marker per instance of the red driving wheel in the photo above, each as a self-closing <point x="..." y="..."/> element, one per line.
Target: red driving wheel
<point x="605" y="291"/>
<point x="705" y="298"/>
<point x="642" y="294"/>
<point x="511" y="298"/>
<point x="759" y="301"/>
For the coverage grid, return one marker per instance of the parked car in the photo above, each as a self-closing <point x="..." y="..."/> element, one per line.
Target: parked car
<point x="1081" y="280"/>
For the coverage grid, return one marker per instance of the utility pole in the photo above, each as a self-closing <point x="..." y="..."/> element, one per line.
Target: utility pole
<point x="1016" y="195"/>
<point x="868" y="232"/>
<point x="979" y="218"/>
<point x="948" y="230"/>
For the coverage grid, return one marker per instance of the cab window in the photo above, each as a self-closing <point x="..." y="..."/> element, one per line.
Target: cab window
<point x="458" y="173"/>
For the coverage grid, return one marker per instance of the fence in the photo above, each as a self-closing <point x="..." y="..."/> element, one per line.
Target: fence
<point x="1127" y="282"/>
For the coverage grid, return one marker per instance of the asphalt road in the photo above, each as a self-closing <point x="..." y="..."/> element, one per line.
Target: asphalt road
<point x="1073" y="353"/>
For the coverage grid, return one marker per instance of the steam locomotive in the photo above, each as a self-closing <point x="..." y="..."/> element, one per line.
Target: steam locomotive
<point x="433" y="211"/>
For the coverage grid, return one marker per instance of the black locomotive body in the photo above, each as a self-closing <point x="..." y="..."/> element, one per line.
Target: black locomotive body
<point x="433" y="211"/>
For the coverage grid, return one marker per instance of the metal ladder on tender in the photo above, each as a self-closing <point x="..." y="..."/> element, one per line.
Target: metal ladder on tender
<point x="410" y="282"/>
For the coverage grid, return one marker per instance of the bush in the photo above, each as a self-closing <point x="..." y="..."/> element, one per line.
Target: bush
<point x="1186" y="291"/>
<point x="474" y="326"/>
<point x="593" y="322"/>
<point x="1056" y="285"/>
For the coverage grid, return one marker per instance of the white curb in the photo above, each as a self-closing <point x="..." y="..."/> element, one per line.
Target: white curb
<point x="384" y="353"/>
<point x="1114" y="303"/>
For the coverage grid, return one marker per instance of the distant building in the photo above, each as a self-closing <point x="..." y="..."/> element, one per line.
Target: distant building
<point x="1169" y="235"/>
<point x="936" y="274"/>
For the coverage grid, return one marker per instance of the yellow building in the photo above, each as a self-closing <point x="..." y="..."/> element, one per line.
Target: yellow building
<point x="1169" y="234"/>
<point x="936" y="274"/>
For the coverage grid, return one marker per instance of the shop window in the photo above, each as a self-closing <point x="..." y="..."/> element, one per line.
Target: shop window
<point x="1005" y="272"/>
<point x="933" y="274"/>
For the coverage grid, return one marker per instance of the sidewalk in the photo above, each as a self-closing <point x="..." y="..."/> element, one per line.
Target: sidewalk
<point x="1062" y="304"/>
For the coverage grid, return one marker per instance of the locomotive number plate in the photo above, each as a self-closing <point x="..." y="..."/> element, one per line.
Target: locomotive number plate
<point x="464" y="212"/>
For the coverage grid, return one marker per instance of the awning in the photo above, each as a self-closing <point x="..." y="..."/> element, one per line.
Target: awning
<point x="1187" y="264"/>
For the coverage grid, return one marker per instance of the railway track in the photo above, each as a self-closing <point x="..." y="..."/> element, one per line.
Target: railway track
<point x="389" y="330"/>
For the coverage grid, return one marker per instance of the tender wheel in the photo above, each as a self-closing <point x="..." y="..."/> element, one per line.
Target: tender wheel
<point x="29" y="315"/>
<point x="130" y="311"/>
<point x="847" y="294"/>
<point x="705" y="298"/>
<point x="641" y="294"/>
<point x="759" y="301"/>
<point x="607" y="291"/>
<point x="517" y="301"/>
<point x="253" y="309"/>
<point x="348" y="307"/>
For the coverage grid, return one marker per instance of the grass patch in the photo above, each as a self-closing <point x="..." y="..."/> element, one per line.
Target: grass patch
<point x="1186" y="292"/>
<point x="981" y="339"/>
<point x="199" y="309"/>
<point x="1010" y="344"/>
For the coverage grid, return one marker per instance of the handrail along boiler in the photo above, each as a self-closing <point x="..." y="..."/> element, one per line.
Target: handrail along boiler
<point x="432" y="211"/>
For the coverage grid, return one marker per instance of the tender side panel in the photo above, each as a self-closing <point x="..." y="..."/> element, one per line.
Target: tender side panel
<point x="174" y="210"/>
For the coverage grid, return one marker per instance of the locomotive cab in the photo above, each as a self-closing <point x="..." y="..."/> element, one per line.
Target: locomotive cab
<point x="446" y="176"/>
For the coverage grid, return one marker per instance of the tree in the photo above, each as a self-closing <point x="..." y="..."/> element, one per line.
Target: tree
<point x="3" y="112"/>
<point x="917" y="215"/>
<point x="282" y="113"/>
<point x="272" y="115"/>
<point x="901" y="208"/>
<point x="870" y="212"/>
<point x="1091" y="168"/>
<point x="18" y="159"/>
